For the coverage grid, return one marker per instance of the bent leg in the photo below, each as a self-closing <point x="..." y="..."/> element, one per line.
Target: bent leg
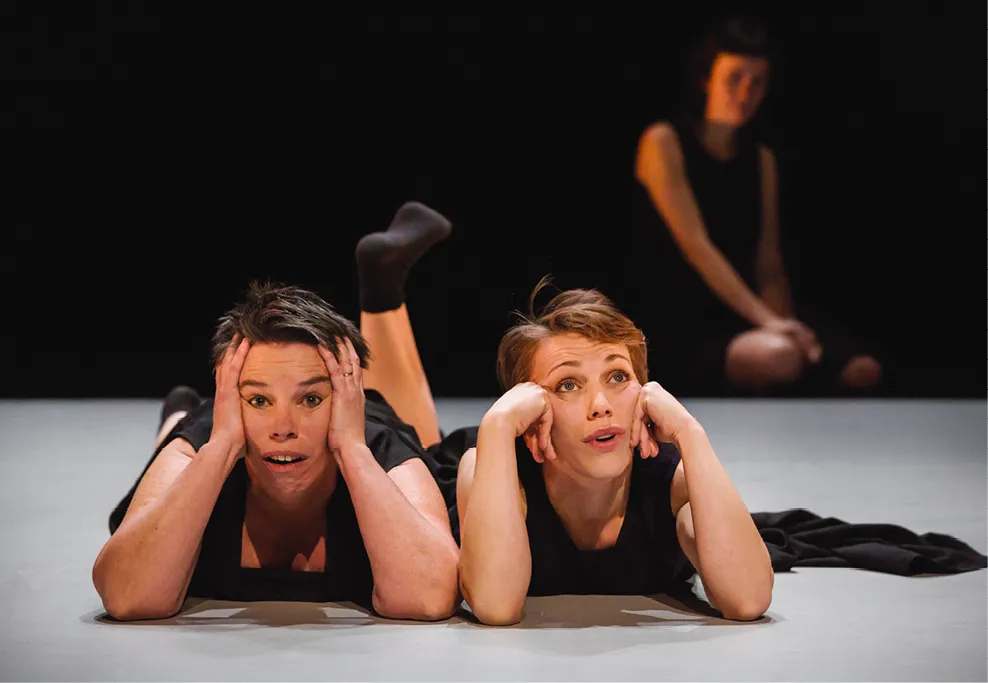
<point x="861" y="373"/>
<point x="759" y="359"/>
<point x="396" y="371"/>
<point x="384" y="260"/>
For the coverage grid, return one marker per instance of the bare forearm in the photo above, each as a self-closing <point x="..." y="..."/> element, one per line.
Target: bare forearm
<point x="412" y="560"/>
<point x="144" y="569"/>
<point x="725" y="282"/>
<point x="777" y="294"/>
<point x="495" y="559"/>
<point x="734" y="562"/>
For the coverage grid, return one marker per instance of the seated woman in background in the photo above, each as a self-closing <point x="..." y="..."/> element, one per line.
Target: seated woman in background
<point x="717" y="191"/>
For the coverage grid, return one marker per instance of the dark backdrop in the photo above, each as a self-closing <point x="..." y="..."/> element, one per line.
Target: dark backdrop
<point x="159" y="157"/>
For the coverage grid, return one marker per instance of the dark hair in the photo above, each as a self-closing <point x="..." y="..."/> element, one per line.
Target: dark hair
<point x="739" y="35"/>
<point x="586" y="312"/>
<point x="274" y="313"/>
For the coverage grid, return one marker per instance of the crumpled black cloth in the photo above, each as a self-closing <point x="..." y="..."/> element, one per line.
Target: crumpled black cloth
<point x="800" y="538"/>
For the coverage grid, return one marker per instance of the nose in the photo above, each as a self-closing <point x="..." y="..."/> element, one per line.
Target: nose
<point x="283" y="425"/>
<point x="599" y="406"/>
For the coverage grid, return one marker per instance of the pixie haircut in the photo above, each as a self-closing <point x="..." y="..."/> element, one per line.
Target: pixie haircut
<point x="273" y="313"/>
<point x="585" y="312"/>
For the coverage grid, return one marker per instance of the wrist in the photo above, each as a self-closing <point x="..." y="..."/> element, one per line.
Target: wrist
<point x="497" y="431"/>
<point x="687" y="434"/>
<point x="226" y="451"/>
<point x="765" y="316"/>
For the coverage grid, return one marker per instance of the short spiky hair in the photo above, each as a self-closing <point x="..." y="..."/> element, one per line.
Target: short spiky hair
<point x="274" y="313"/>
<point x="586" y="312"/>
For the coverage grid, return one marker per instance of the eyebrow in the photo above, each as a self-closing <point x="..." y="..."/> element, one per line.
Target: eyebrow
<point x="318" y="379"/>
<point x="576" y="363"/>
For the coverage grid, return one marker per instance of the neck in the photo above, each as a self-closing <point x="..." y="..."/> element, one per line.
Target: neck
<point x="718" y="139"/>
<point x="298" y="509"/>
<point x="587" y="506"/>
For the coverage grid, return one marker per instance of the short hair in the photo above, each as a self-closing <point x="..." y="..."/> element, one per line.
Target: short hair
<point x="739" y="35"/>
<point x="585" y="312"/>
<point x="274" y="313"/>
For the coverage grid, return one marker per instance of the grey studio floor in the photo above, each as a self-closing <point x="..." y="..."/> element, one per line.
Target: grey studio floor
<point x="919" y="464"/>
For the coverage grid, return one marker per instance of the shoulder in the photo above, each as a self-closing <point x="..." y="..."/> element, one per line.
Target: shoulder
<point x="660" y="154"/>
<point x="661" y="136"/>
<point x="392" y="441"/>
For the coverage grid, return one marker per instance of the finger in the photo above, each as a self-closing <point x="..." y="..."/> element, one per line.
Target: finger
<point x="543" y="436"/>
<point x="532" y="441"/>
<point x="357" y="378"/>
<point x="357" y="375"/>
<point x="235" y="364"/>
<point x="333" y="365"/>
<point x="547" y="449"/>
<point x="550" y="451"/>
<point x="240" y="356"/>
<point x="229" y="353"/>
<point x="637" y="423"/>
<point x="643" y="440"/>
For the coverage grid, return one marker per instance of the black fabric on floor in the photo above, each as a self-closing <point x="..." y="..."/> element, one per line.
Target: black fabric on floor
<point x="799" y="538"/>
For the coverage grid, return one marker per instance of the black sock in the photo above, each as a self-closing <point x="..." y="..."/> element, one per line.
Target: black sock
<point x="384" y="259"/>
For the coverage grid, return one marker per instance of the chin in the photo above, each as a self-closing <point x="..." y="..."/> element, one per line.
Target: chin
<point x="605" y="465"/>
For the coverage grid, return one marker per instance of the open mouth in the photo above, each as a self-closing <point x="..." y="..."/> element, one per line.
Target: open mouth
<point x="602" y="439"/>
<point x="284" y="460"/>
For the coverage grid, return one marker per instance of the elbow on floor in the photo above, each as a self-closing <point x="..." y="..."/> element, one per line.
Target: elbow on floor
<point x="498" y="614"/>
<point x="749" y="609"/>
<point x="434" y="605"/>
<point x="138" y="610"/>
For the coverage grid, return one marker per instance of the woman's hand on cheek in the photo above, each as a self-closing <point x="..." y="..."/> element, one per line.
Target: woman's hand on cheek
<point x="641" y="434"/>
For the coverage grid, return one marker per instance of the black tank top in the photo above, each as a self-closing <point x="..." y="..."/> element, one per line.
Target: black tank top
<point x="347" y="575"/>
<point x="728" y="194"/>
<point x="646" y="559"/>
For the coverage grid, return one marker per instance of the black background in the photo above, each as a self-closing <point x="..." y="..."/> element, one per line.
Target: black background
<point x="158" y="157"/>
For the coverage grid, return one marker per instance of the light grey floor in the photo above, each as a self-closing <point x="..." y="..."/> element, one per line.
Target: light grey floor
<point x="918" y="464"/>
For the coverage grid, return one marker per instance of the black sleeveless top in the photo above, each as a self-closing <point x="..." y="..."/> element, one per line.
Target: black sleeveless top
<point x="728" y="194"/>
<point x="646" y="559"/>
<point x="347" y="575"/>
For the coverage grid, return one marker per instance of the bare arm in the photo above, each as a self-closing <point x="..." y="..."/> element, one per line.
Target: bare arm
<point x="660" y="169"/>
<point x="770" y="269"/>
<point x="405" y="527"/>
<point x="495" y="558"/>
<point x="717" y="533"/>
<point x="143" y="571"/>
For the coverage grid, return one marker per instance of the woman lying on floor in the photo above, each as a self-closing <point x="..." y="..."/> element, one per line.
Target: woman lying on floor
<point x="298" y="481"/>
<point x="585" y="481"/>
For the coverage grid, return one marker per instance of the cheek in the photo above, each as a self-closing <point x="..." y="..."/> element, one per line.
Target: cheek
<point x="254" y="426"/>
<point x="624" y="405"/>
<point x="314" y="426"/>
<point x="567" y="420"/>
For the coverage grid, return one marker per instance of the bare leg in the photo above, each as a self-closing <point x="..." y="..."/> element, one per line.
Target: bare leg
<point x="759" y="359"/>
<point x="168" y="425"/>
<point x="396" y="371"/>
<point x="861" y="373"/>
<point x="384" y="260"/>
<point x="179" y="401"/>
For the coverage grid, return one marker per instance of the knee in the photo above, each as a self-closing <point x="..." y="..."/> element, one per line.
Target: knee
<point x="861" y="372"/>
<point x="761" y="359"/>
